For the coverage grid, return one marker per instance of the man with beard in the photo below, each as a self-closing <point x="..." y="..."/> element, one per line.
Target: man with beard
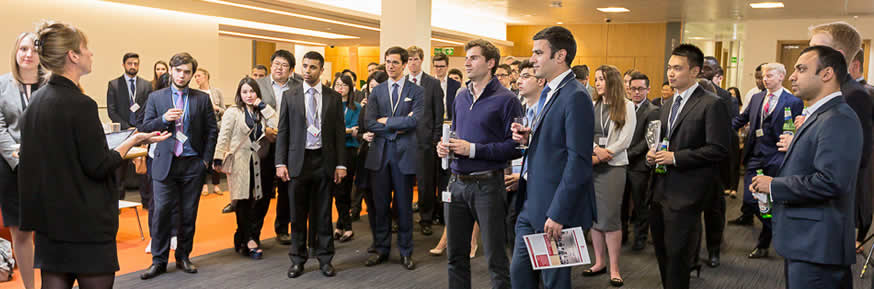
<point x="124" y="97"/>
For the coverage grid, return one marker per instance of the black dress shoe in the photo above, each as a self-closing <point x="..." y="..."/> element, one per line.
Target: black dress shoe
<point x="186" y="266"/>
<point x="697" y="269"/>
<point x="407" y="262"/>
<point x="638" y="245"/>
<point x="742" y="221"/>
<point x="295" y="270"/>
<point x="153" y="271"/>
<point x="283" y="238"/>
<point x="328" y="270"/>
<point x="375" y="259"/>
<point x="758" y="253"/>
<point x="394" y="227"/>
<point x="229" y="208"/>
<point x="426" y="230"/>
<point x="371" y="250"/>
<point x="713" y="261"/>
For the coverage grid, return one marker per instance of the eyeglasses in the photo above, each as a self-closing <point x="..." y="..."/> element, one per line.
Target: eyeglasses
<point x="440" y="66"/>
<point x="638" y="89"/>
<point x="525" y="76"/>
<point x="280" y="64"/>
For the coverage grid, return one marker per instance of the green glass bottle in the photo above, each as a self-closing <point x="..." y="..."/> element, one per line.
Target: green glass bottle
<point x="765" y="199"/>
<point x="788" y="124"/>
<point x="663" y="146"/>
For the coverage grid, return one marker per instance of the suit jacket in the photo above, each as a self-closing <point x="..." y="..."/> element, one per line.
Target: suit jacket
<point x="452" y="87"/>
<point x="11" y="110"/>
<point x="813" y="193"/>
<point x="559" y="184"/>
<point x="67" y="172"/>
<point x="400" y="126"/>
<point x="637" y="151"/>
<point x="766" y="145"/>
<point x="430" y="127"/>
<point x="266" y="86"/>
<point x="292" y="136"/>
<point x="202" y="130"/>
<point x="118" y="100"/>
<point x="700" y="145"/>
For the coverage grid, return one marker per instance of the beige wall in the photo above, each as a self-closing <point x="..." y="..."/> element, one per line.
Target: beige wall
<point x="114" y="29"/>
<point x="762" y="36"/>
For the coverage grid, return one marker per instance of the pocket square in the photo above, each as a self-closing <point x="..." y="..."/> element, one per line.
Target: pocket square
<point x="408" y="99"/>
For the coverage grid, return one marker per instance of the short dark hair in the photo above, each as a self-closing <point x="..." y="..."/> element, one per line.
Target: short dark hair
<point x="312" y="55"/>
<point x="354" y="76"/>
<point x="456" y="72"/>
<point x="284" y="54"/>
<point x="262" y="67"/>
<point x="183" y="58"/>
<point x="829" y="57"/>
<point x="440" y="57"/>
<point x="489" y="51"/>
<point x="693" y="55"/>
<point x="860" y="57"/>
<point x="516" y="63"/>
<point x="637" y="75"/>
<point x="505" y="67"/>
<point x="581" y="72"/>
<point x="129" y="55"/>
<point x="372" y="63"/>
<point x="719" y="72"/>
<point x="527" y="64"/>
<point x="629" y="72"/>
<point x="399" y="51"/>
<point x="559" y="38"/>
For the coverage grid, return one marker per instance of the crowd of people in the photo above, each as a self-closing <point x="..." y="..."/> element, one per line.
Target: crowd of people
<point x="534" y="148"/>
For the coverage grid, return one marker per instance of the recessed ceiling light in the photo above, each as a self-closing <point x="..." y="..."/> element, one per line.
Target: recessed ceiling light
<point x="613" y="9"/>
<point x="559" y="23"/>
<point x="262" y="37"/>
<point x="274" y="11"/>
<point x="765" y="5"/>
<point x="282" y="29"/>
<point x="447" y="41"/>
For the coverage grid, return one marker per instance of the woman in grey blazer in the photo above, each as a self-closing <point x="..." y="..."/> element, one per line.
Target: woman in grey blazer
<point x="16" y="88"/>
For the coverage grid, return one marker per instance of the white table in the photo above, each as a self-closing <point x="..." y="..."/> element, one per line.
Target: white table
<point x="127" y="204"/>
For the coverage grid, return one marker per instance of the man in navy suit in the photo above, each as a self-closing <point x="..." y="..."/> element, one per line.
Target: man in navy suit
<point x="765" y="114"/>
<point x="556" y="190"/>
<point x="393" y="111"/>
<point x="180" y="162"/>
<point x="814" y="191"/>
<point x="440" y="64"/>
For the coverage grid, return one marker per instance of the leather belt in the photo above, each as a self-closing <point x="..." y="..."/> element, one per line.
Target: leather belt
<point x="481" y="176"/>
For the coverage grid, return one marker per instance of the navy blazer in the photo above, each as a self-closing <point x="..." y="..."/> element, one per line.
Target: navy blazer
<point x="559" y="184"/>
<point x="202" y="130"/>
<point x="400" y="126"/>
<point x="772" y="129"/>
<point x="813" y="192"/>
<point x="452" y="87"/>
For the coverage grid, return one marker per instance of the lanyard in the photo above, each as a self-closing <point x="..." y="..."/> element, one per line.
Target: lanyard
<point x="394" y="106"/>
<point x="605" y="121"/>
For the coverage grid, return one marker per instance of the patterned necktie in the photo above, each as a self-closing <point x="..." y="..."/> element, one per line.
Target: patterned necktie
<point x="314" y="108"/>
<point x="180" y="103"/>
<point x="394" y="97"/>
<point x="133" y="91"/>
<point x="415" y="81"/>
<point x="768" y="104"/>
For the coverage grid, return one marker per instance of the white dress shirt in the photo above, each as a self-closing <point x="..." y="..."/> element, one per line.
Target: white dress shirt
<point x="418" y="78"/>
<point x="278" y="90"/>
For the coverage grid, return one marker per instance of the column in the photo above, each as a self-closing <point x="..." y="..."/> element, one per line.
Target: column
<point x="404" y="23"/>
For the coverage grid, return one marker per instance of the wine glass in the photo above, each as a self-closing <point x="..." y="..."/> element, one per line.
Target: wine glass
<point x="524" y="122"/>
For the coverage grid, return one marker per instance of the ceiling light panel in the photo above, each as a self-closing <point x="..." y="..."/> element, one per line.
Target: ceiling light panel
<point x="613" y="9"/>
<point x="286" y="13"/>
<point x="281" y="29"/>
<point x="262" y="37"/>
<point x="766" y="5"/>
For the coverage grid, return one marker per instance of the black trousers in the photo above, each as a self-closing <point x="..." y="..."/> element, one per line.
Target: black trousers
<point x="283" y="213"/>
<point x="250" y="212"/>
<point x="426" y="181"/>
<point x="180" y="188"/>
<point x="343" y="192"/>
<point x="120" y="176"/>
<point x="310" y="194"/>
<point x="637" y="188"/>
<point x="714" y="222"/>
<point x="442" y="184"/>
<point x="675" y="235"/>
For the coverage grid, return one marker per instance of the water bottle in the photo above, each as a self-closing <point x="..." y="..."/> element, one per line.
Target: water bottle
<point x="663" y="146"/>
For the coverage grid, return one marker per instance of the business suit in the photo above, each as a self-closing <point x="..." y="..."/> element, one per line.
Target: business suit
<point x="860" y="101"/>
<point x="559" y="185"/>
<point x="283" y="212"/>
<point x="118" y="102"/>
<point x="639" y="172"/>
<point x="392" y="160"/>
<point x="178" y="179"/>
<point x="428" y="132"/>
<point x="699" y="143"/>
<point x="813" y="197"/>
<point x="452" y="87"/>
<point x="761" y="151"/>
<point x="311" y="170"/>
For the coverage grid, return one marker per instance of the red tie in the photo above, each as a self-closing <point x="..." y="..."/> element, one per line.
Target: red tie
<point x="768" y="104"/>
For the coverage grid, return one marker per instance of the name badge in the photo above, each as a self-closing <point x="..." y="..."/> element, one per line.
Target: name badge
<point x="447" y="197"/>
<point x="313" y="130"/>
<point x="760" y="133"/>
<point x="134" y="108"/>
<point x="602" y="141"/>
<point x="181" y="137"/>
<point x="255" y="146"/>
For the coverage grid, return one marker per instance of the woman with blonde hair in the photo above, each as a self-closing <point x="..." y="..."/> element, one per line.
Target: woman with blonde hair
<point x="201" y="78"/>
<point x="614" y="127"/>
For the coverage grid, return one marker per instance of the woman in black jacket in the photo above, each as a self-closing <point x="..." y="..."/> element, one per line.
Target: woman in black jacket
<point x="66" y="169"/>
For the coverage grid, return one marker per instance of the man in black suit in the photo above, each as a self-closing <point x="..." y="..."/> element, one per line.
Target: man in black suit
<point x="125" y="96"/>
<point x="428" y="131"/>
<point x="180" y="162"/>
<point x="638" y="171"/>
<point x="695" y="124"/>
<point x="309" y="149"/>
<point x="440" y="64"/>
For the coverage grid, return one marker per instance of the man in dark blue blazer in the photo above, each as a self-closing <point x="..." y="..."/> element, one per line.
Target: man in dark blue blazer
<point x="556" y="190"/>
<point x="392" y="114"/>
<point x="813" y="194"/>
<point x="180" y="162"/>
<point x="765" y="114"/>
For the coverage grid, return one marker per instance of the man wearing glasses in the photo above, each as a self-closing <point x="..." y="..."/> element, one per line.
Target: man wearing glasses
<point x="638" y="172"/>
<point x="503" y="75"/>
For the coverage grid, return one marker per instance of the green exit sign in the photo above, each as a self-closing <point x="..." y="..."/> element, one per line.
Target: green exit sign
<point x="733" y="59"/>
<point x="447" y="51"/>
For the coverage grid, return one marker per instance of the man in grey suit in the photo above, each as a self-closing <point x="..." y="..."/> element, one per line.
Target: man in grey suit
<point x="814" y="192"/>
<point x="428" y="130"/>
<point x="309" y="149"/>
<point x="272" y="88"/>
